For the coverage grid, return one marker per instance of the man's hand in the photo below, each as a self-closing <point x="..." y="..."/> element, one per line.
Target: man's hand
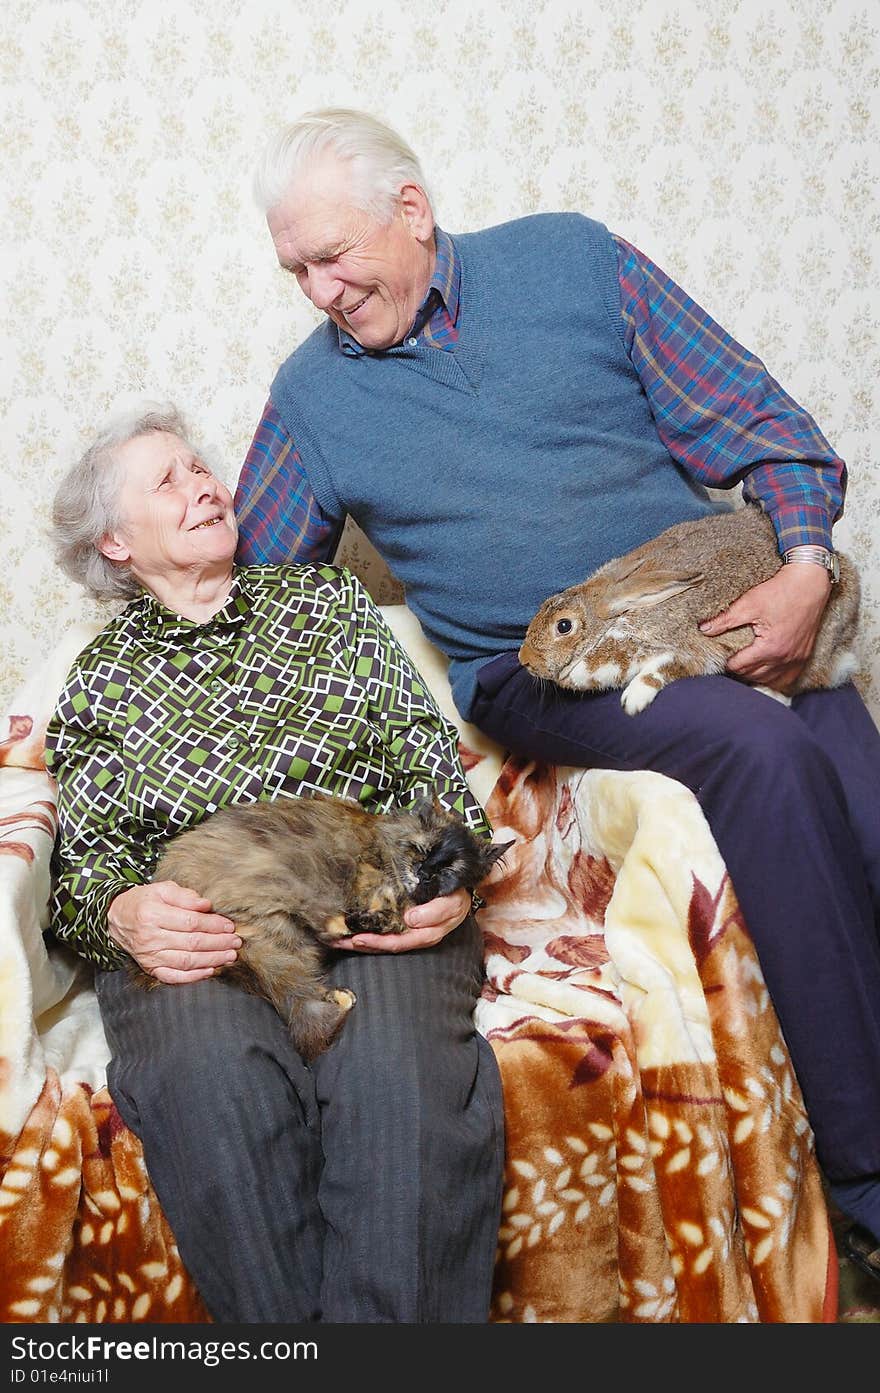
<point x="427" y="924"/>
<point x="785" y="613"/>
<point x="171" y="933"/>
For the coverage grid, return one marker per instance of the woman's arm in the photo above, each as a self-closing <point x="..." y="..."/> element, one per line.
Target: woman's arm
<point x="102" y="905"/>
<point x="422" y="743"/>
<point x="97" y="855"/>
<point x="423" y="747"/>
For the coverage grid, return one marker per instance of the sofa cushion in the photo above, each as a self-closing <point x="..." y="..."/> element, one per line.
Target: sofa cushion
<point x="481" y="757"/>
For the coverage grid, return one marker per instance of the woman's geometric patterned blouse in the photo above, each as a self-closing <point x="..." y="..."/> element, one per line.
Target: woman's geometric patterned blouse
<point x="296" y="684"/>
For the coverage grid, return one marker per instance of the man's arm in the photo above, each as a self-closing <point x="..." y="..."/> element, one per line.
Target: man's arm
<point x="726" y="420"/>
<point x="720" y="413"/>
<point x="279" y="518"/>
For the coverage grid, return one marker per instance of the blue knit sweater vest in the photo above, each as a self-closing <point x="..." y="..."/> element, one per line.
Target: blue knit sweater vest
<point x="492" y="476"/>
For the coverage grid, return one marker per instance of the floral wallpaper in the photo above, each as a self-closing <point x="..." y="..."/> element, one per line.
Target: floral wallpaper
<point x="733" y="141"/>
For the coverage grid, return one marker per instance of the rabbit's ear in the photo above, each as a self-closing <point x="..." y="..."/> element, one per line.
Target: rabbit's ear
<point x="622" y="567"/>
<point x="644" y="587"/>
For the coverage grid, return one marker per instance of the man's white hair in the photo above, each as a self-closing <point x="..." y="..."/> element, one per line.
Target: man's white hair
<point x="379" y="160"/>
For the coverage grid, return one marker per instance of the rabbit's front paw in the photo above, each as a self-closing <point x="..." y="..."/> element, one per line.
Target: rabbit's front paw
<point x="640" y="692"/>
<point x="777" y="696"/>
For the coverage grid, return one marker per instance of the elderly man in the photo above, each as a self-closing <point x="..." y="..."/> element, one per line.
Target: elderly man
<point x="502" y="412"/>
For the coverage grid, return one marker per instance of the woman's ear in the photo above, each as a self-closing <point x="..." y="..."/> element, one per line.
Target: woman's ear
<point x="114" y="547"/>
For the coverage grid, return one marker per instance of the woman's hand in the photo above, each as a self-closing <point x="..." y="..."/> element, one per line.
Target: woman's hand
<point x="171" y="933"/>
<point x="785" y="613"/>
<point x="427" y="924"/>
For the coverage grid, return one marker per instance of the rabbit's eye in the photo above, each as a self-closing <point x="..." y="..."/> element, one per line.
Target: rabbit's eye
<point x="564" y="626"/>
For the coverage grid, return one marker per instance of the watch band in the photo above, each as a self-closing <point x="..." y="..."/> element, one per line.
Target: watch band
<point x="815" y="556"/>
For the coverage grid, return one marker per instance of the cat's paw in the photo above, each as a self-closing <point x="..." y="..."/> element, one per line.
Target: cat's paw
<point x="363" y="922"/>
<point x="383" y="902"/>
<point x="335" y="927"/>
<point x="343" y="997"/>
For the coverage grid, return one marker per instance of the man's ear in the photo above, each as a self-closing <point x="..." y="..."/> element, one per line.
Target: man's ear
<point x="417" y="212"/>
<point x="114" y="547"/>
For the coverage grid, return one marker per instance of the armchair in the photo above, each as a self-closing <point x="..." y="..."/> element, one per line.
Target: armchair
<point x="659" y="1166"/>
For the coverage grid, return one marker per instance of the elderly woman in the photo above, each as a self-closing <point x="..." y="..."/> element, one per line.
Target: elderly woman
<point x="367" y="1186"/>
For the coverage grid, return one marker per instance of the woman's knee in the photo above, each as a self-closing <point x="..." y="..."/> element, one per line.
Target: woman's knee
<point x="207" y="1050"/>
<point x="408" y="996"/>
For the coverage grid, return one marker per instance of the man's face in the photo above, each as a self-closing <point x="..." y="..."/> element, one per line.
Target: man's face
<point x="369" y="277"/>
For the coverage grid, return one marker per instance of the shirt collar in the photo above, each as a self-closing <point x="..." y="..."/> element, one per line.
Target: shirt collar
<point x="159" y="622"/>
<point x="445" y="289"/>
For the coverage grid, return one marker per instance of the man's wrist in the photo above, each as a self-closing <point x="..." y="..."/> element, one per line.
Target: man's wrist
<point x="810" y="555"/>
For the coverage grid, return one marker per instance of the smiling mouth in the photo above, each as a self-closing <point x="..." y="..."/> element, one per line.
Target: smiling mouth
<point x="209" y="522"/>
<point x="353" y="309"/>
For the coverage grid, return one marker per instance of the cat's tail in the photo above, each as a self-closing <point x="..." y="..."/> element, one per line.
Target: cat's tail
<point x="292" y="979"/>
<point x="314" y="1023"/>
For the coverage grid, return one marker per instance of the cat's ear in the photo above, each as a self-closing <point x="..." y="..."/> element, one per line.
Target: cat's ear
<point x="496" y="852"/>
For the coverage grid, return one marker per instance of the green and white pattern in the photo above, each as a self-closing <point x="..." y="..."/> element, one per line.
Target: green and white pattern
<point x="295" y="685"/>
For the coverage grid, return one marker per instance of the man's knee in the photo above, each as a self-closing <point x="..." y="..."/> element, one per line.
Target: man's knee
<point x="774" y="753"/>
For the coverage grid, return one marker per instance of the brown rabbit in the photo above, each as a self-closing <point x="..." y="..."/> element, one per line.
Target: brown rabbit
<point x="634" y="622"/>
<point x="298" y="874"/>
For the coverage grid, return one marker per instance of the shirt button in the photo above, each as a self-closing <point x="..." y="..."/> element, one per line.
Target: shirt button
<point x="412" y="342"/>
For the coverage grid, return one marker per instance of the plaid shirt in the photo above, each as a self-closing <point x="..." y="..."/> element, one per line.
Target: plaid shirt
<point x="295" y="685"/>
<point x="718" y="412"/>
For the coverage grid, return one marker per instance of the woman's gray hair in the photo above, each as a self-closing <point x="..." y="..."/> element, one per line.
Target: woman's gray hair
<point x="86" y="504"/>
<point x="380" y="160"/>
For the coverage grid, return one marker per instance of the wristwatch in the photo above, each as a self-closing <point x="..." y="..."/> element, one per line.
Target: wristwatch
<point x="817" y="556"/>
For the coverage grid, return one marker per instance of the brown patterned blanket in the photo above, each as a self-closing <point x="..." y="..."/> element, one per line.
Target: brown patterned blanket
<point x="660" y="1166"/>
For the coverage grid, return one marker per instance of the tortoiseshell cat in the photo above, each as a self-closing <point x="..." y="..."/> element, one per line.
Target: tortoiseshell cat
<point x="298" y="874"/>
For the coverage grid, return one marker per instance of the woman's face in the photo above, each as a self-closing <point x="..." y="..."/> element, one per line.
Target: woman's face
<point x="178" y="518"/>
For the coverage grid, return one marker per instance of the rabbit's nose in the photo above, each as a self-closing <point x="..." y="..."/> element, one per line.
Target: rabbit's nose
<point x="529" y="658"/>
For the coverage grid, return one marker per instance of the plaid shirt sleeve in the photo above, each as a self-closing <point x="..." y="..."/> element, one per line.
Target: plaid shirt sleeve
<point x="279" y="519"/>
<point x="720" y="413"/>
